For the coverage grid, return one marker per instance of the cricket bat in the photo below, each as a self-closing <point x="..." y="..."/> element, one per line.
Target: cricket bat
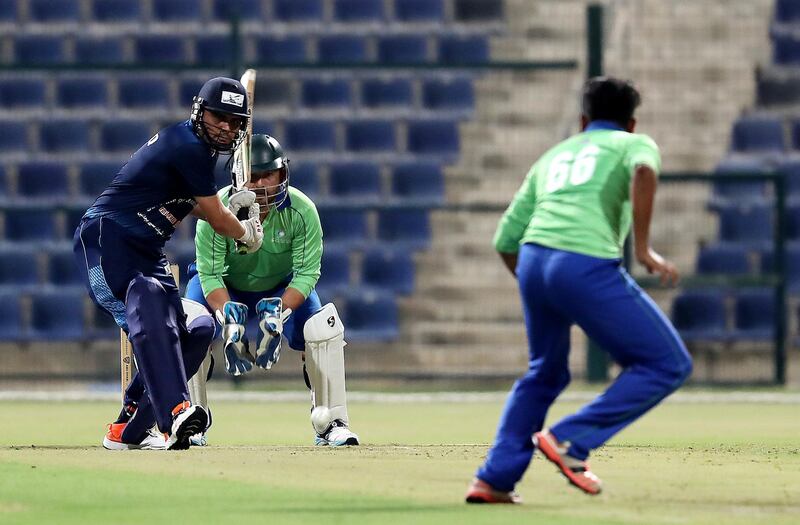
<point x="240" y="169"/>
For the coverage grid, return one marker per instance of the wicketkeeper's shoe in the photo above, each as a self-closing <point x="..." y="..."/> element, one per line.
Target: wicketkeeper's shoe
<point x="154" y="440"/>
<point x="481" y="492"/>
<point x="575" y="470"/>
<point x="338" y="435"/>
<point x="187" y="420"/>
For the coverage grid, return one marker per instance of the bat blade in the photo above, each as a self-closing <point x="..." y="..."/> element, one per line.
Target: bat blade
<point x="240" y="172"/>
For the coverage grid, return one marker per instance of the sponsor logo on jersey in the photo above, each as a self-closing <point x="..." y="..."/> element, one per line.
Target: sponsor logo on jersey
<point x="234" y="99"/>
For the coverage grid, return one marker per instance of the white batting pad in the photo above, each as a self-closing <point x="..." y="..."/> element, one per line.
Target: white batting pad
<point x="324" y="336"/>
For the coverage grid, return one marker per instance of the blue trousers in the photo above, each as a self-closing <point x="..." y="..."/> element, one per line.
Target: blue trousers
<point x="558" y="289"/>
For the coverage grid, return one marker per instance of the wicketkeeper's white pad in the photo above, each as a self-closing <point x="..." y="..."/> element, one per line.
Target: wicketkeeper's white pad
<point x="325" y="343"/>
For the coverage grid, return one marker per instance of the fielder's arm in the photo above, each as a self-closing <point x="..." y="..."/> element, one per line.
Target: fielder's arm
<point x="643" y="191"/>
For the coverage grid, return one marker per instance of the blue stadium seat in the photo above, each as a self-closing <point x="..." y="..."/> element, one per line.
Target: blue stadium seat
<point x="346" y="227"/>
<point x="755" y="314"/>
<point x="747" y="224"/>
<point x="38" y="179"/>
<point x="478" y="10"/>
<point x="448" y="94"/>
<point x="176" y="11"/>
<point x="38" y="49"/>
<point x="246" y="10"/>
<point x="20" y="93"/>
<point x="95" y="176"/>
<point x="383" y="93"/>
<point x="740" y="192"/>
<point x="315" y="135"/>
<point x="793" y="221"/>
<point x="358" y="10"/>
<point x="13" y="136"/>
<point x="790" y="167"/>
<point x="371" y="136"/>
<point x="261" y="127"/>
<point x="342" y="49"/>
<point x="786" y="49"/>
<point x="298" y="10"/>
<point x="388" y="269"/>
<point x="64" y="136"/>
<point x="327" y="93"/>
<point x="758" y="134"/>
<point x="406" y="228"/>
<point x="278" y="92"/>
<point x="723" y="258"/>
<point x="19" y="266"/>
<point x="103" y="326"/>
<point x="62" y="270"/>
<point x="31" y="223"/>
<point x="73" y="213"/>
<point x="281" y="50"/>
<point x="160" y="49"/>
<point x="791" y="264"/>
<point x="11" y="328"/>
<point x="123" y="136"/>
<point x="433" y="137"/>
<point x="418" y="183"/>
<point x="700" y="315"/>
<point x="419" y="10"/>
<point x="403" y="49"/>
<point x="110" y="11"/>
<point x="796" y="134"/>
<point x="4" y="184"/>
<point x="335" y="271"/>
<point x="99" y="50"/>
<point x="189" y="88"/>
<point x="84" y="92"/>
<point x="48" y="11"/>
<point x="57" y="314"/>
<point x="371" y="317"/>
<point x="144" y="92"/>
<point x="463" y="49"/>
<point x="9" y="11"/>
<point x="213" y="50"/>
<point x="303" y="176"/>
<point x="358" y="181"/>
<point x="773" y="91"/>
<point x="787" y="11"/>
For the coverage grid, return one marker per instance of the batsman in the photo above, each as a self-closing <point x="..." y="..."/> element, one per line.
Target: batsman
<point x="275" y="284"/>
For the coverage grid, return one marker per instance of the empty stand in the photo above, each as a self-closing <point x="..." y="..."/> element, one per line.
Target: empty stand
<point x="448" y="94"/>
<point x="160" y="49"/>
<point x="371" y="136"/>
<point x="39" y="49"/>
<point x="94" y="176"/>
<point x="43" y="180"/>
<point x="57" y="314"/>
<point x="116" y="11"/>
<point x="31" y="223"/>
<point x="418" y="183"/>
<point x="293" y="11"/>
<point x="305" y="177"/>
<point x="433" y="137"/>
<point x="64" y="136"/>
<point x="83" y="92"/>
<point x="281" y="50"/>
<point x="357" y="181"/>
<point x="49" y="11"/>
<point x="458" y="49"/>
<point x="19" y="267"/>
<point x="758" y="134"/>
<point x="335" y="272"/>
<point x="62" y="268"/>
<point x="731" y="259"/>
<point x="700" y="315"/>
<point x="381" y="93"/>
<point x="388" y="269"/>
<point x="371" y="317"/>
<point x="144" y="92"/>
<point x="746" y="224"/>
<point x="358" y="11"/>
<point x="755" y="314"/>
<point x="11" y="328"/>
<point x="22" y="93"/>
<point x="407" y="228"/>
<point x="419" y="10"/>
<point x="342" y="49"/>
<point x="181" y="11"/>
<point x="99" y="50"/>
<point x="403" y="49"/>
<point x="345" y="227"/>
<point x="13" y="136"/>
<point x="326" y="93"/>
<point x="319" y="135"/>
<point x="124" y="136"/>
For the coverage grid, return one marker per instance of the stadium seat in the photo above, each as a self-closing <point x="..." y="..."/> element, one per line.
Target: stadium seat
<point x="787" y="11"/>
<point x="213" y="50"/>
<point x="38" y="49"/>
<point x="315" y="135"/>
<point x="793" y="221"/>
<point x="786" y="49"/>
<point x="791" y="265"/>
<point x="388" y="269"/>
<point x="419" y="10"/>
<point x="103" y="326"/>
<point x="261" y="127"/>
<point x="298" y="10"/>
<point x="83" y="92"/>
<point x="335" y="272"/>
<point x="62" y="269"/>
<point x="379" y="93"/>
<point x="345" y="227"/>
<point x="463" y="50"/>
<point x="57" y="314"/>
<point x="758" y="134"/>
<point x="403" y="49"/>
<point x="740" y="192"/>
<point x="755" y="314"/>
<point x="790" y="167"/>
<point x="278" y="92"/>
<point x="189" y="88"/>
<point x="245" y="9"/>
<point x="730" y="259"/>
<point x="9" y="11"/>
<point x="22" y="93"/>
<point x="700" y="315"/>
<point x="94" y="176"/>
<point x="371" y="317"/>
<point x="796" y="134"/>
<point x="124" y="136"/>
<point x="178" y="11"/>
<point x="4" y="184"/>
<point x="478" y="10"/>
<point x="281" y="50"/>
<point x="448" y="94"/>
<point x="99" y="50"/>
<point x="357" y="181"/>
<point x="19" y="266"/>
<point x="341" y="49"/>
<point x="13" y="136"/>
<point x="303" y="176"/>
<point x="326" y="93"/>
<point x="111" y="11"/>
<point x="64" y="136"/>
<point x="48" y="180"/>
<point x="11" y="328"/>
<point x="433" y="137"/>
<point x="144" y="92"/>
<point x="406" y="228"/>
<point x="160" y="49"/>
<point x="30" y="223"/>
<point x="371" y="136"/>
<point x="358" y="11"/>
<point x="746" y="224"/>
<point x="775" y="91"/>
<point x="48" y="11"/>
<point x="418" y="183"/>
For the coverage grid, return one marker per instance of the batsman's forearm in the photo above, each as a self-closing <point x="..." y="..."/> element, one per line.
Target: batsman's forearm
<point x="643" y="191"/>
<point x="220" y="217"/>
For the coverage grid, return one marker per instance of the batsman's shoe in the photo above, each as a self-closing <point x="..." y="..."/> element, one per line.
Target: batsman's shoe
<point x="575" y="470"/>
<point x="187" y="420"/>
<point x="481" y="492"/>
<point x="338" y="435"/>
<point x="154" y="440"/>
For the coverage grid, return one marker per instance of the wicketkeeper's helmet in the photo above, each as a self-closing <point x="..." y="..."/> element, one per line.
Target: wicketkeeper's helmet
<point x="266" y="155"/>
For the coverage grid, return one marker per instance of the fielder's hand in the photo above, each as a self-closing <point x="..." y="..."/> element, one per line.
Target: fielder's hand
<point x="271" y="316"/>
<point x="238" y="359"/>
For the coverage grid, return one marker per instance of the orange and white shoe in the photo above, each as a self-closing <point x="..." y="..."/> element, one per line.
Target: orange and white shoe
<point x="575" y="470"/>
<point x="154" y="440"/>
<point x="481" y="492"/>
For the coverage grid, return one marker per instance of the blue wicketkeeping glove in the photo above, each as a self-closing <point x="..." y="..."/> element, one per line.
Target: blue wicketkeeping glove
<point x="271" y="316"/>
<point x="233" y="317"/>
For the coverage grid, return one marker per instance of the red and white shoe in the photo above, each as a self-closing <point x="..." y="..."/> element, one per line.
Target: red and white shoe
<point x="154" y="440"/>
<point x="481" y="492"/>
<point x="187" y="420"/>
<point x="575" y="470"/>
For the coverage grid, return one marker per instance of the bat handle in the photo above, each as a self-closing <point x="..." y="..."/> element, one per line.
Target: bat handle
<point x="241" y="248"/>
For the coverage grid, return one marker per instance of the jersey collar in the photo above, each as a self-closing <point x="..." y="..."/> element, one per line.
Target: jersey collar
<point x="608" y="125"/>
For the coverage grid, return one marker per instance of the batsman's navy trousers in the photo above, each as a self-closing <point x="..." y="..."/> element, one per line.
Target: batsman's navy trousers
<point x="559" y="288"/>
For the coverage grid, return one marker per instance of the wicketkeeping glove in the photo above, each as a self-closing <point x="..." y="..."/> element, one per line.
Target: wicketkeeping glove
<point x="233" y="317"/>
<point x="271" y="317"/>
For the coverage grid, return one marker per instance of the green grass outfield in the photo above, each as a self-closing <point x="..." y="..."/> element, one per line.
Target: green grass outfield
<point x="713" y="463"/>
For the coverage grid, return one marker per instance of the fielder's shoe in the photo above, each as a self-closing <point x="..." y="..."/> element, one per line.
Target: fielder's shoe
<point x="481" y="492"/>
<point x="337" y="436"/>
<point x="575" y="470"/>
<point x="187" y="420"/>
<point x="154" y="440"/>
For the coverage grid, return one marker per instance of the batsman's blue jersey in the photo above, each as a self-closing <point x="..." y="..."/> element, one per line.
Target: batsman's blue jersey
<point x="155" y="190"/>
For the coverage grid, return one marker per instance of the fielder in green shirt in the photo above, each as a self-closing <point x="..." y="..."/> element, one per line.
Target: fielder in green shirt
<point x="275" y="284"/>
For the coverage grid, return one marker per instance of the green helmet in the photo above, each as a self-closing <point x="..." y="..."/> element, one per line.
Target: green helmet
<point x="266" y="154"/>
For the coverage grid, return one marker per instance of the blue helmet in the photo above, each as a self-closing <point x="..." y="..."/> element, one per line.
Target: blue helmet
<point x="223" y="96"/>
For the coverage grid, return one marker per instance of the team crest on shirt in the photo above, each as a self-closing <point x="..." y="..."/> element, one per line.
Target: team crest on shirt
<point x="280" y="237"/>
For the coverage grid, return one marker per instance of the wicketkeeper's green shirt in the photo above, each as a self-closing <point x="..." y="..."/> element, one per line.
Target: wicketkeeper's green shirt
<point x="292" y="245"/>
<point x="576" y="197"/>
